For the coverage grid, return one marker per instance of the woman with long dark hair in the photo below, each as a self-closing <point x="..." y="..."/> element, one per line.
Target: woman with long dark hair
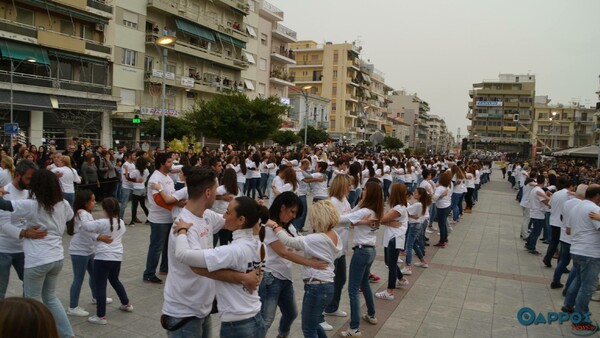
<point x="228" y="187"/>
<point x="138" y="196"/>
<point x="442" y="197"/>
<point x="355" y="174"/>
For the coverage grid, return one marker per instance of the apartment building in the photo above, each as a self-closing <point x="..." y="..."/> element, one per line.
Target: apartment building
<point x="373" y="94"/>
<point x="414" y="111"/>
<point x="55" y="74"/>
<point x="501" y="113"/>
<point x="332" y="71"/>
<point x="439" y="140"/>
<point x="560" y="126"/>
<point x="307" y="109"/>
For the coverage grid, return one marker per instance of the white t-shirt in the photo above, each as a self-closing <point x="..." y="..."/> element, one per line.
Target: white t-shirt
<point x="569" y="206"/>
<point x="179" y="195"/>
<point x="302" y="185"/>
<point x="9" y="243"/>
<point x="186" y="293"/>
<point x="68" y="179"/>
<point x="83" y="242"/>
<point x="526" y="194"/>
<point x="442" y="202"/>
<point x="220" y="206"/>
<point x="363" y="234"/>
<point x="5" y="177"/>
<point x="158" y="214"/>
<point x="281" y="268"/>
<point x="416" y="209"/>
<point x="585" y="237"/>
<point x="387" y="173"/>
<point x="557" y="202"/>
<point x="136" y="175"/>
<point x="104" y="251"/>
<point x="537" y="209"/>
<point x="126" y="184"/>
<point x="342" y="228"/>
<point x="319" y="189"/>
<point x="398" y="233"/>
<point x="174" y="173"/>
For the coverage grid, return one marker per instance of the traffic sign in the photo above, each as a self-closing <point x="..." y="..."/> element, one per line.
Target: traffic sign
<point x="11" y="128"/>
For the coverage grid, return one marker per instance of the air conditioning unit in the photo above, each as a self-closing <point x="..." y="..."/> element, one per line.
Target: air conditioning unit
<point x="100" y="27"/>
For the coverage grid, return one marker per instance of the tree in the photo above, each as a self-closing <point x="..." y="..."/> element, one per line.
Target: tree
<point x="175" y="127"/>
<point x="392" y="143"/>
<point x="314" y="136"/>
<point x="285" y="137"/>
<point x="234" y="118"/>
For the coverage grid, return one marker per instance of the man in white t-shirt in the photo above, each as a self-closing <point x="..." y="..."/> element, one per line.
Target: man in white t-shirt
<point x="538" y="204"/>
<point x="11" y="245"/>
<point x="160" y="218"/>
<point x="585" y="252"/>
<point x="557" y="202"/>
<point x="188" y="297"/>
<point x="126" y="182"/>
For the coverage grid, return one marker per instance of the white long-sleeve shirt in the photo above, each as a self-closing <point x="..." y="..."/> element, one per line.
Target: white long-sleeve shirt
<point x="83" y="242"/>
<point x="104" y="251"/>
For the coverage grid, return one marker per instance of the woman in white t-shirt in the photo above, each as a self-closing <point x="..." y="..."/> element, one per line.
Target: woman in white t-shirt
<point x="324" y="244"/>
<point x="365" y="236"/>
<point x="67" y="177"/>
<point x="417" y="213"/>
<point x="355" y="187"/>
<point x="394" y="235"/>
<point x="240" y="171"/>
<point x="225" y="192"/>
<point x="239" y="310"/>
<point x="319" y="186"/>
<point x="138" y="196"/>
<point x="387" y="179"/>
<point x="457" y="191"/>
<point x="470" y="184"/>
<point x="442" y="197"/>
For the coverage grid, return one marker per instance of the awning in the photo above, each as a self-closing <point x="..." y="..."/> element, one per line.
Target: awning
<point x="77" y="57"/>
<point x="249" y="84"/>
<point x="251" y="31"/>
<point x="366" y="77"/>
<point x="239" y="43"/>
<point x="228" y="39"/>
<point x="22" y="51"/>
<point x="388" y="129"/>
<point x="195" y="30"/>
<point x="26" y="101"/>
<point x="250" y="58"/>
<point x="79" y="103"/>
<point x="78" y="14"/>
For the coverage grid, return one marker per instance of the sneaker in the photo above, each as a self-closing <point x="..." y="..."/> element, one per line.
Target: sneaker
<point x="428" y="231"/>
<point x="567" y="309"/>
<point x="77" y="312"/>
<point x="374" y="278"/>
<point x="565" y="270"/>
<point x="535" y="252"/>
<point x="351" y="333"/>
<point x="402" y="283"/>
<point x="126" y="308"/>
<point x="547" y="262"/>
<point x="583" y="327"/>
<point x="453" y="222"/>
<point x="163" y="273"/>
<point x="153" y="280"/>
<point x="336" y="313"/>
<point x="400" y="260"/>
<point x="422" y="265"/>
<point x="406" y="271"/>
<point x="384" y="295"/>
<point x="325" y="326"/>
<point x="403" y="253"/>
<point x="450" y="229"/>
<point x="440" y="244"/>
<point x="556" y="285"/>
<point x="108" y="300"/>
<point x="97" y="320"/>
<point x="371" y="320"/>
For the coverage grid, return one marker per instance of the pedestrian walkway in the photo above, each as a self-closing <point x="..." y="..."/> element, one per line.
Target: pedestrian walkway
<point x="473" y="288"/>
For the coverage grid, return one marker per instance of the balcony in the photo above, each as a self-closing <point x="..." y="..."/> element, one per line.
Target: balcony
<point x="283" y="56"/>
<point x="241" y="6"/>
<point x="471" y="93"/>
<point x="352" y="81"/>
<point x="283" y="33"/>
<point x="489" y="91"/>
<point x="209" y="53"/>
<point x="354" y="64"/>
<point x="18" y="28"/>
<point x="271" y="12"/>
<point x="56" y="85"/>
<point x="471" y="104"/>
<point x="282" y="78"/>
<point x="308" y="63"/>
<point x="308" y="79"/>
<point x="214" y="85"/>
<point x="100" y="8"/>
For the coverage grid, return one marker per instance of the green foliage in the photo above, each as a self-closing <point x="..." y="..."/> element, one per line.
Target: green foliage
<point x="407" y="152"/>
<point x="392" y="143"/>
<point x="314" y="136"/>
<point x="174" y="127"/>
<point x="285" y="138"/>
<point x="234" y="118"/>
<point x="182" y="145"/>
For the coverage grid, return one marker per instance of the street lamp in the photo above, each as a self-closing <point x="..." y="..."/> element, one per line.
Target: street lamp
<point x="475" y="139"/>
<point x="164" y="41"/>
<point x="13" y="68"/>
<point x="305" y="94"/>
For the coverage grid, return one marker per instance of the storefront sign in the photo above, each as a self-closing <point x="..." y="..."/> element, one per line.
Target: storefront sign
<point x="489" y="103"/>
<point x="157" y="111"/>
<point x="159" y="73"/>
<point x="187" y="82"/>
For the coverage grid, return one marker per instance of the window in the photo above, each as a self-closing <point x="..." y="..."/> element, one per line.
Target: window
<point x="262" y="64"/>
<point x="263" y="39"/>
<point x="148" y="63"/>
<point x="252" y="5"/>
<point x="86" y="32"/>
<point x="333" y="107"/>
<point x="130" y="20"/>
<point x="25" y="16"/>
<point x="251" y="30"/>
<point x="335" y="56"/>
<point x="334" y="90"/>
<point x="66" y="27"/>
<point x="129" y="57"/>
<point x="171" y="68"/>
<point x="262" y="89"/>
<point x="335" y="74"/>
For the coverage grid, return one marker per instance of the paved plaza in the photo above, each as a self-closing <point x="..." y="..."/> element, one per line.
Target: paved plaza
<point x="473" y="288"/>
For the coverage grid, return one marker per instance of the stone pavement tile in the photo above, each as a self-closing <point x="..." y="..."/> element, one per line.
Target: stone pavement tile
<point x="432" y="330"/>
<point x="89" y="330"/>
<point x="471" y="333"/>
<point x="127" y="333"/>
<point x="482" y="282"/>
<point x="507" y="309"/>
<point x="544" y="330"/>
<point x="476" y="325"/>
<point x="449" y="319"/>
<point x="475" y="316"/>
<point x="509" y="332"/>
<point x="400" y="327"/>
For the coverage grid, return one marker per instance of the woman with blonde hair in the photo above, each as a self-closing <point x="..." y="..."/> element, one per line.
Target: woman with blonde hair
<point x="67" y="177"/>
<point x="326" y="245"/>
<point x="8" y="170"/>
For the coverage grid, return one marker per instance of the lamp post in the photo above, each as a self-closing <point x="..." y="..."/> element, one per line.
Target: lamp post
<point x="13" y="68"/>
<point x="475" y="140"/>
<point x="164" y="41"/>
<point x="305" y="94"/>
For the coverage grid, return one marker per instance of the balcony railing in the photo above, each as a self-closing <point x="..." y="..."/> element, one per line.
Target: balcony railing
<point x="55" y="82"/>
<point x="283" y="76"/>
<point x="285" y="31"/>
<point x="309" y="62"/>
<point x="97" y="47"/>
<point x="272" y="8"/>
<point x="18" y="28"/>
<point x="100" y="5"/>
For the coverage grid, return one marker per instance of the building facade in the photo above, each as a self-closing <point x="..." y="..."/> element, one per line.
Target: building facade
<point x="414" y="111"/>
<point x="307" y="109"/>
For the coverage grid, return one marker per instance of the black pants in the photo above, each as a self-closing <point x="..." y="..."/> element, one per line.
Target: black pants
<point x="107" y="271"/>
<point x="469" y="198"/>
<point x="553" y="245"/>
<point x="135" y="200"/>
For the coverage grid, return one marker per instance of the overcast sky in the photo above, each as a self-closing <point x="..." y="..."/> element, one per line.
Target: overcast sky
<point x="439" y="48"/>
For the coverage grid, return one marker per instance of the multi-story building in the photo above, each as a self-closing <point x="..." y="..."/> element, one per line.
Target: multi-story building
<point x="373" y="96"/>
<point x="332" y="71"/>
<point x="561" y="126"/>
<point x="55" y="70"/>
<point x="413" y="111"/>
<point x="501" y="113"/>
<point x="439" y="139"/>
<point x="307" y="109"/>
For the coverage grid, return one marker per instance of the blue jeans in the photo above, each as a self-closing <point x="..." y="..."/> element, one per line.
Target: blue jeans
<point x="252" y="186"/>
<point x="442" y="219"/>
<point x="17" y="261"/>
<point x="386" y="189"/>
<point x="40" y="284"/>
<point x="195" y="328"/>
<point x="353" y="197"/>
<point x="268" y="190"/>
<point x="275" y="292"/>
<point x="538" y="225"/>
<point x="125" y="196"/>
<point x="476" y="193"/>
<point x="432" y="213"/>
<point x="587" y="277"/>
<point x="339" y="268"/>
<point x="360" y="268"/>
<point x="248" y="328"/>
<point x="547" y="231"/>
<point x="564" y="259"/>
<point x="316" y="298"/>
<point x="70" y="197"/>
<point x="262" y="187"/>
<point x="412" y="235"/>
<point x="301" y="219"/>
<point x="159" y="232"/>
<point x="394" y="272"/>
<point x="461" y="198"/>
<point x="80" y="265"/>
<point x="108" y="271"/>
<point x="454" y="205"/>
